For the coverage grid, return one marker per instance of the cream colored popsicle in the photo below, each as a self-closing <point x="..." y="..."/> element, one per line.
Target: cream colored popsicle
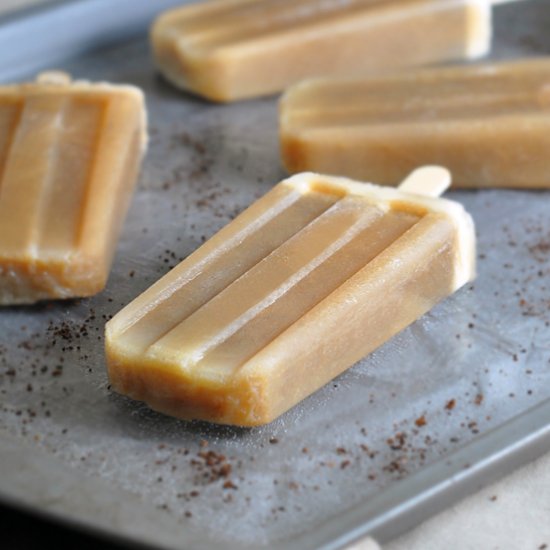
<point x="227" y="50"/>
<point x="69" y="156"/>
<point x="489" y="124"/>
<point x="304" y="283"/>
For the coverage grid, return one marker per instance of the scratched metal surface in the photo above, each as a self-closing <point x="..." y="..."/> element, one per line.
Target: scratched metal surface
<point x="477" y="360"/>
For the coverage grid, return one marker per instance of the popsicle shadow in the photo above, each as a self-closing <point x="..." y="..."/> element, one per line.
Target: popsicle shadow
<point x="167" y="90"/>
<point x="154" y="425"/>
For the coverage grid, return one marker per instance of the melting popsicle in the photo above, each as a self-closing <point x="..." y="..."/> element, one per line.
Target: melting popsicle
<point x="304" y="283"/>
<point x="69" y="156"/>
<point x="227" y="50"/>
<point x="489" y="124"/>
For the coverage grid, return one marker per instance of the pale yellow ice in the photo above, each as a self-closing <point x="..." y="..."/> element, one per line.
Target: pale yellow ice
<point x="69" y="155"/>
<point x="309" y="279"/>
<point x="489" y="124"/>
<point x="226" y="50"/>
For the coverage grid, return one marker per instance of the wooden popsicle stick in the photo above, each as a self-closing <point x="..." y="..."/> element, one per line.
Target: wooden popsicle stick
<point x="430" y="181"/>
<point x="53" y="77"/>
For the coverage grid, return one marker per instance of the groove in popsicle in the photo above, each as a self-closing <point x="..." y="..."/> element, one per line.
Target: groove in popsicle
<point x="269" y="281"/>
<point x="63" y="199"/>
<point x="173" y="295"/>
<point x="401" y="109"/>
<point x="264" y="12"/>
<point x="430" y="84"/>
<point x="42" y="215"/>
<point x="100" y="119"/>
<point x="215" y="273"/>
<point x="10" y="117"/>
<point x="24" y="182"/>
<point x="260" y="19"/>
<point x="337" y="268"/>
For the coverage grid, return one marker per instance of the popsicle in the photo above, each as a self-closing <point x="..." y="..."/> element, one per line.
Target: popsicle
<point x="489" y="124"/>
<point x="304" y="283"/>
<point x="69" y="156"/>
<point x="227" y="50"/>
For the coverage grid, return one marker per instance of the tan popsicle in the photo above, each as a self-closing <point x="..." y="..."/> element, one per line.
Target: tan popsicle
<point x="304" y="283"/>
<point x="489" y="124"/>
<point x="227" y="50"/>
<point x="69" y="157"/>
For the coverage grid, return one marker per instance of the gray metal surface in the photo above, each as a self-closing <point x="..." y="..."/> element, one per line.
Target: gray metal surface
<point x="457" y="399"/>
<point x="63" y="29"/>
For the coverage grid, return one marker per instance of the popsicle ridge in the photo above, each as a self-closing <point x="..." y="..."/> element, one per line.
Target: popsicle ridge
<point x="10" y="115"/>
<point x="54" y="235"/>
<point x="272" y="19"/>
<point x="377" y="104"/>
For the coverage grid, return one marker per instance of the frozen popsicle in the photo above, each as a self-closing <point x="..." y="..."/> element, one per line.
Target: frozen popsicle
<point x="227" y="50"/>
<point x="489" y="124"/>
<point x="304" y="283"/>
<point x="69" y="156"/>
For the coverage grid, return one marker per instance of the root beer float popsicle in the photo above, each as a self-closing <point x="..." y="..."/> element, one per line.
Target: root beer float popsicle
<point x="489" y="124"/>
<point x="69" y="156"/>
<point x="304" y="283"/>
<point x="227" y="50"/>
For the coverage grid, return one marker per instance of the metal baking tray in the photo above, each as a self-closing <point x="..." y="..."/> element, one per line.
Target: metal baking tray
<point x="453" y="402"/>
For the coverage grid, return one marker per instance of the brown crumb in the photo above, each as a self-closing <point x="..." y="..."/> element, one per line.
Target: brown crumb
<point x="450" y="404"/>
<point x="225" y="470"/>
<point x="420" y="421"/>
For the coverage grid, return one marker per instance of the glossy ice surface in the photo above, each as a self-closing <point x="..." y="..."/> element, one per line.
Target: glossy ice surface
<point x="489" y="124"/>
<point x="234" y="49"/>
<point x="69" y="155"/>
<point x="309" y="279"/>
